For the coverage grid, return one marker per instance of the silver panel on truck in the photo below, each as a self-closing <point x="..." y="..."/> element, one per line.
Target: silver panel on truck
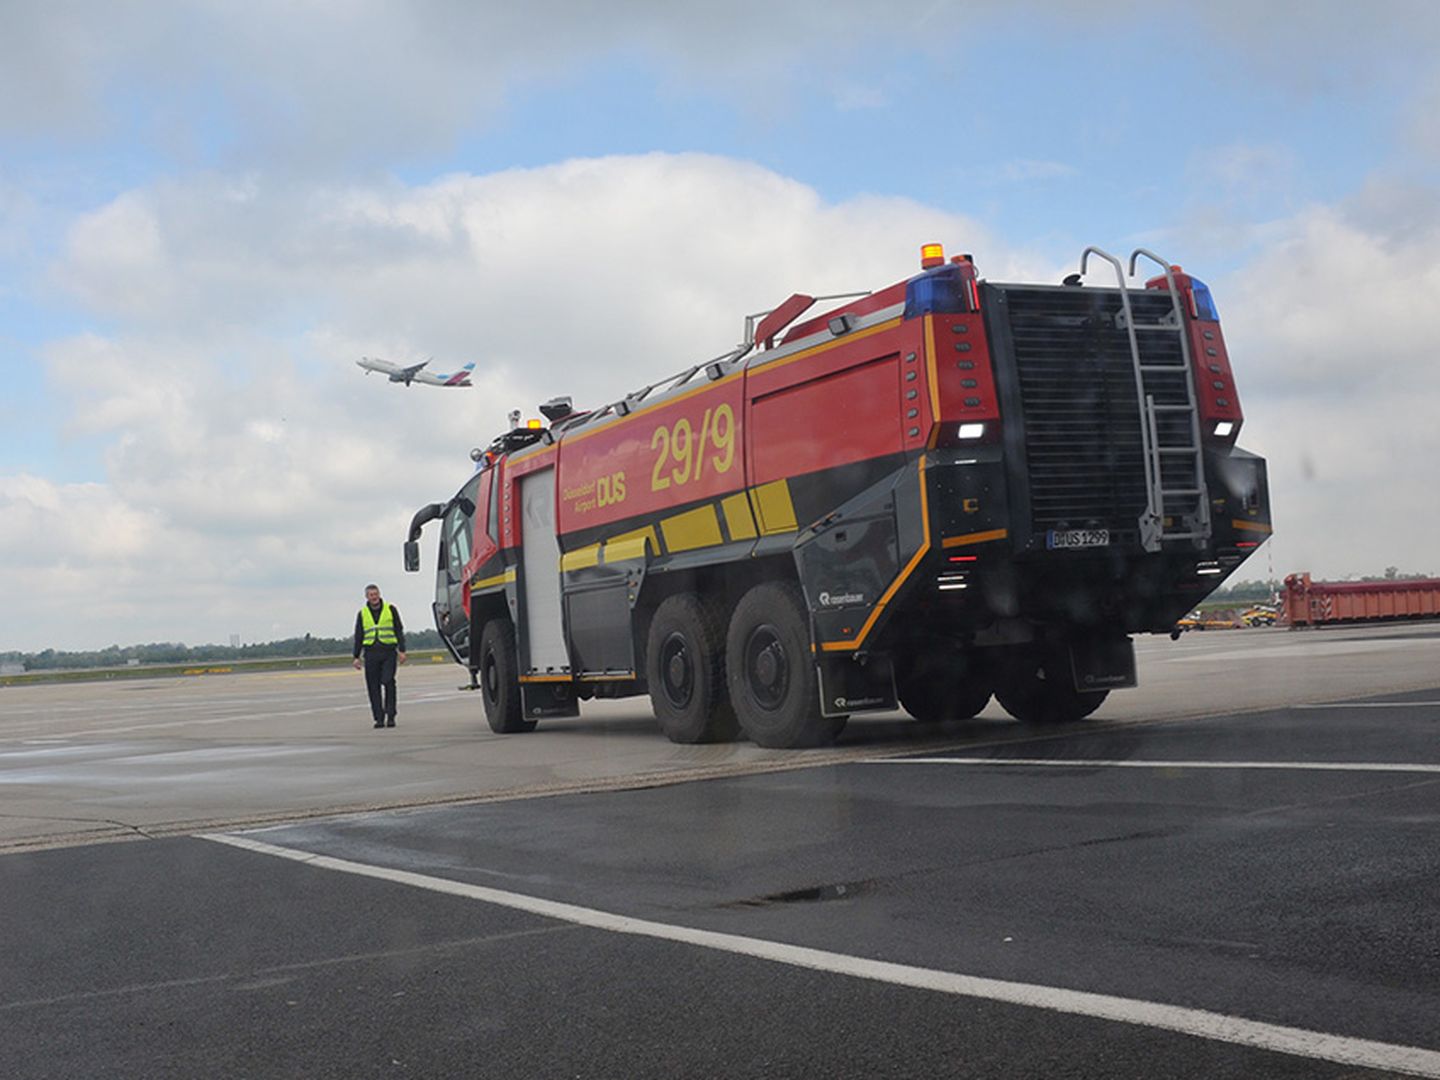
<point x="543" y="632"/>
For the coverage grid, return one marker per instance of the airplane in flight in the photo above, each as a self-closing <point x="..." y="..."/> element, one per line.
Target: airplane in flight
<point x="414" y="373"/>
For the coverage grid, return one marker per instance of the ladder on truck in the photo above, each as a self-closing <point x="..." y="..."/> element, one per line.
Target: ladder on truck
<point x="1162" y="443"/>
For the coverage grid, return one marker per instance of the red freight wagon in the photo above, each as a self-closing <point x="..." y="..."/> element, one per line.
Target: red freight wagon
<point x="1313" y="603"/>
<point x="938" y="491"/>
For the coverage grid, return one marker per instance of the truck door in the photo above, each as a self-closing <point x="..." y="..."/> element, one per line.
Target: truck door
<point x="543" y="640"/>
<point x="452" y="600"/>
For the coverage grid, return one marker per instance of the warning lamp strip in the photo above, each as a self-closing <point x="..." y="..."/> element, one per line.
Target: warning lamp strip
<point x="1252" y="526"/>
<point x="932" y="377"/>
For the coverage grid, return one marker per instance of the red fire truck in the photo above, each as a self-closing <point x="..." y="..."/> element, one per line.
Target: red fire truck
<point x="942" y="490"/>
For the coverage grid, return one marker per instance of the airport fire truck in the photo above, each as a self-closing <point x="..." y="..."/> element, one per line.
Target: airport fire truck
<point x="940" y="491"/>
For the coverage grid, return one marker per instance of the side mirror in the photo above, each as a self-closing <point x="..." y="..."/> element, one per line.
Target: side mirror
<point x="412" y="555"/>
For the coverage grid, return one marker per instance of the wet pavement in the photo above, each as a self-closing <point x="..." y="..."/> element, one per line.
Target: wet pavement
<point x="83" y="762"/>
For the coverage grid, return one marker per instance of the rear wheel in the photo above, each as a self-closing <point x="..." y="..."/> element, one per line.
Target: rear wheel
<point x="685" y="668"/>
<point x="1036" y="686"/>
<point x="937" y="689"/>
<point x="499" y="682"/>
<point x="771" y="670"/>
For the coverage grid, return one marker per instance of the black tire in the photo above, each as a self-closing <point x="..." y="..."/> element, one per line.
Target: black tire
<point x="498" y="677"/>
<point x="938" y="689"/>
<point x="685" y="668"/>
<point x="771" y="668"/>
<point x="1036" y="687"/>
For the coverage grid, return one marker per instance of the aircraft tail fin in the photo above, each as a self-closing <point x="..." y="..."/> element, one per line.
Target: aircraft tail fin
<point x="461" y="377"/>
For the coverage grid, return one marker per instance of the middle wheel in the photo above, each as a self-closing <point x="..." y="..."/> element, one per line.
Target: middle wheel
<point x="685" y="667"/>
<point x="771" y="669"/>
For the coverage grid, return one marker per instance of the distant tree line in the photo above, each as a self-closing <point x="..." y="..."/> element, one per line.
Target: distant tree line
<point x="171" y="653"/>
<point x="1245" y="592"/>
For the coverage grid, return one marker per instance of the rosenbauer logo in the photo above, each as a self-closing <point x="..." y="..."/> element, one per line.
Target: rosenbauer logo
<point x="829" y="599"/>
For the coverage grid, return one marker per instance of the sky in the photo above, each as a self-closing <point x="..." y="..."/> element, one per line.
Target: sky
<point x="209" y="210"/>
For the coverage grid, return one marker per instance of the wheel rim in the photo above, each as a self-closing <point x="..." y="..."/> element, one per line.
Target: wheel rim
<point x="677" y="671"/>
<point x="767" y="668"/>
<point x="490" y="677"/>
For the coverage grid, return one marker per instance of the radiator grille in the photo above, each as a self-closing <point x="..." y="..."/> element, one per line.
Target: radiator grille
<point x="1080" y="416"/>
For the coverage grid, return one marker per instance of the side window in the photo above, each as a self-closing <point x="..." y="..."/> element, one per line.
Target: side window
<point x="492" y="516"/>
<point x="458" y="541"/>
<point x="458" y="529"/>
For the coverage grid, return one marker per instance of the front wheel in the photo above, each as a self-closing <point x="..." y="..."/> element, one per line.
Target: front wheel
<point x="499" y="682"/>
<point x="771" y="669"/>
<point x="1036" y="687"/>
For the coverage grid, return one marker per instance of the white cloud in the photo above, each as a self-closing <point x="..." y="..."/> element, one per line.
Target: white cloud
<point x="1333" y="331"/>
<point x="253" y="477"/>
<point x="272" y="476"/>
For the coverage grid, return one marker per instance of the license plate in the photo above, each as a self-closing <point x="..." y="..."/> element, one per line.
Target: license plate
<point x="1077" y="538"/>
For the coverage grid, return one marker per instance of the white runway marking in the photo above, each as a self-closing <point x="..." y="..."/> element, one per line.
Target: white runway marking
<point x="1370" y="705"/>
<point x="1098" y="763"/>
<point x="1361" y="1053"/>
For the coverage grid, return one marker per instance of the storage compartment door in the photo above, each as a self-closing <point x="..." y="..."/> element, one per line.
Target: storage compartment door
<point x="543" y="636"/>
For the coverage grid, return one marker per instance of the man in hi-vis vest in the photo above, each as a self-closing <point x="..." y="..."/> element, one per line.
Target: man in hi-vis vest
<point x="381" y="636"/>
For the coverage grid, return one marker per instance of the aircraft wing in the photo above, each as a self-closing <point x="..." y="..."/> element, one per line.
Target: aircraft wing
<point x="407" y="375"/>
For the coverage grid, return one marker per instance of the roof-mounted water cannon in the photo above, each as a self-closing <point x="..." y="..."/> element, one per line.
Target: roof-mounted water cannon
<point x="557" y="409"/>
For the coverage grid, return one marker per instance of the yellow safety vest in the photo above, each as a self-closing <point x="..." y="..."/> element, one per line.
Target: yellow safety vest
<point x="381" y="631"/>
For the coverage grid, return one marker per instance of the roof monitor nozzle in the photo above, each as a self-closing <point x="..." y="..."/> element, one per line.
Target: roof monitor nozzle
<point x="557" y="408"/>
<point x="514" y="419"/>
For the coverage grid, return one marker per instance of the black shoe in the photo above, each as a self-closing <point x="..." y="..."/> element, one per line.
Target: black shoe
<point x="390" y="722"/>
<point x="379" y="723"/>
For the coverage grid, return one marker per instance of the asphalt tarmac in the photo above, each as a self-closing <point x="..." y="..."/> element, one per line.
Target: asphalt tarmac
<point x="1246" y="894"/>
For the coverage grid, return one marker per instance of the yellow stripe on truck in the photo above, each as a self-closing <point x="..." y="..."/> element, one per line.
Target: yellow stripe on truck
<point x="580" y="558"/>
<point x="631" y="545"/>
<point x="739" y="521"/>
<point x="693" y="529"/>
<point x="773" y="508"/>
<point x="490" y="582"/>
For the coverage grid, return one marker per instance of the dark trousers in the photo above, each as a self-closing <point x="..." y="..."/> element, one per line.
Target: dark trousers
<point x="380" y="676"/>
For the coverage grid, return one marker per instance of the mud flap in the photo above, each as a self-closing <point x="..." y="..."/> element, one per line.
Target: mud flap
<point x="848" y="686"/>
<point x="548" y="699"/>
<point x="1103" y="663"/>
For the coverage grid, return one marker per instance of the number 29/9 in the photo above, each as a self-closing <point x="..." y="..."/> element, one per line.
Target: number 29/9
<point x="683" y="451"/>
